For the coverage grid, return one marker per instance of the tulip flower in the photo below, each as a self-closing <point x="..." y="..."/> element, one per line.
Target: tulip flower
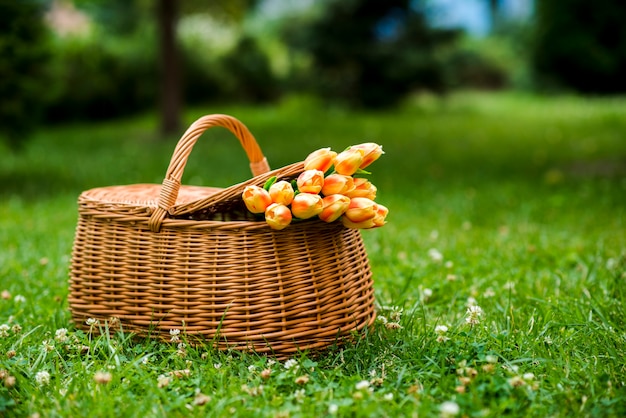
<point x="381" y="214"/>
<point x="368" y="224"/>
<point x="282" y="192"/>
<point x="278" y="216"/>
<point x="337" y="184"/>
<point x="348" y="161"/>
<point x="362" y="188"/>
<point x="256" y="198"/>
<point x="321" y="160"/>
<point x="334" y="206"/>
<point x="361" y="209"/>
<point x="307" y="205"/>
<point x="310" y="181"/>
<point x="370" y="151"/>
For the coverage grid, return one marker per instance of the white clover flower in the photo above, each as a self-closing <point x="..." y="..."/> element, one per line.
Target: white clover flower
<point x="299" y="394"/>
<point x="91" y="321"/>
<point x="473" y="315"/>
<point x="251" y="368"/>
<point x="163" y="381"/>
<point x="396" y="312"/>
<point x="333" y="408"/>
<point x="435" y="255"/>
<point x="449" y="409"/>
<point x="16" y="329"/>
<point x="19" y="299"/>
<point x="490" y="358"/>
<point x="291" y="363"/>
<point x="528" y="376"/>
<point x="217" y="366"/>
<point x="174" y="335"/>
<point x="102" y="378"/>
<point x="362" y="385"/>
<point x="47" y="346"/>
<point x="4" y="330"/>
<point x="42" y="378"/>
<point x="471" y="301"/>
<point x="427" y="293"/>
<point x="449" y="264"/>
<point x="61" y="335"/>
<point x="388" y="396"/>
<point x="441" y="329"/>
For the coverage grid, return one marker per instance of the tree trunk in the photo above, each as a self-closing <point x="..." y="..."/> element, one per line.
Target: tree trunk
<point x="494" y="9"/>
<point x="170" y="75"/>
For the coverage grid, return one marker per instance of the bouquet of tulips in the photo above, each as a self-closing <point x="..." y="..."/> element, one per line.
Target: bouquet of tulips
<point x="326" y="188"/>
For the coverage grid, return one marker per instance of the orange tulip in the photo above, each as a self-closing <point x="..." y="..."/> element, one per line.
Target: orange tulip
<point x="361" y="209"/>
<point x="321" y="160"/>
<point x="281" y="192"/>
<point x="381" y="214"/>
<point x="362" y="188"/>
<point x="370" y="151"/>
<point x="278" y="216"/>
<point x="306" y="205"/>
<point x="348" y="161"/>
<point x="368" y="224"/>
<point x="334" y="206"/>
<point x="310" y="181"/>
<point x="256" y="198"/>
<point x="337" y="184"/>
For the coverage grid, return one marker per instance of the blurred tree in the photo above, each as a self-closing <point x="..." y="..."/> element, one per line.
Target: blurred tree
<point x="371" y="53"/>
<point x="23" y="48"/>
<point x="581" y="45"/>
<point x="125" y="16"/>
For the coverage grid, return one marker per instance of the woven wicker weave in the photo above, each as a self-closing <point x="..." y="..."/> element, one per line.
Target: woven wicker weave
<point x="162" y="257"/>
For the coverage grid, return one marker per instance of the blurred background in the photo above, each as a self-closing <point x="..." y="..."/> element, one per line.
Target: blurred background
<point x="86" y="60"/>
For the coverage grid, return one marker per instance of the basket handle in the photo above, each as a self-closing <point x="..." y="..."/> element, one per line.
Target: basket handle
<point x="171" y="183"/>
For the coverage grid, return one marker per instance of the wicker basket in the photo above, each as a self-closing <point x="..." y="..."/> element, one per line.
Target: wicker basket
<point x="163" y="257"/>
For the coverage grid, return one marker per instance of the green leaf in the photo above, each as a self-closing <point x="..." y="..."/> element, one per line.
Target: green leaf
<point x="269" y="183"/>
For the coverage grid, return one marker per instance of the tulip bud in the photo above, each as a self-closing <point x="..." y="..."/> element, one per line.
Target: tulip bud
<point x="381" y="214"/>
<point x="337" y="184"/>
<point x="310" y="181"/>
<point x="256" y="198"/>
<point x="362" y="188"/>
<point x="321" y="160"/>
<point x="281" y="192"/>
<point x="334" y="206"/>
<point x="368" y="224"/>
<point x="306" y="205"/>
<point x="277" y="216"/>
<point x="370" y="151"/>
<point x="361" y="209"/>
<point x="348" y="161"/>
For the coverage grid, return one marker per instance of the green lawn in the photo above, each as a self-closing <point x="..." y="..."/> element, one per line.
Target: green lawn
<point x="515" y="204"/>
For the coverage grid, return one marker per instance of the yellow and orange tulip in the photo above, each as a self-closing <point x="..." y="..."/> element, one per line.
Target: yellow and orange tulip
<point x="281" y="192"/>
<point x="278" y="216"/>
<point x="334" y="206"/>
<point x="337" y="184"/>
<point x="348" y="161"/>
<point x="307" y="205"/>
<point x="310" y="181"/>
<point x="370" y="152"/>
<point x="321" y="160"/>
<point x="362" y="188"/>
<point x="256" y="198"/>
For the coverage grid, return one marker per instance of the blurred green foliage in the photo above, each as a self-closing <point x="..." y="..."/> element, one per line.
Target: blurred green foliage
<point x="581" y="45"/>
<point x="370" y="53"/>
<point x="23" y="79"/>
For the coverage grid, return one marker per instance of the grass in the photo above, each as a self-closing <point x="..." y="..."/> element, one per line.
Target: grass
<point x="512" y="203"/>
